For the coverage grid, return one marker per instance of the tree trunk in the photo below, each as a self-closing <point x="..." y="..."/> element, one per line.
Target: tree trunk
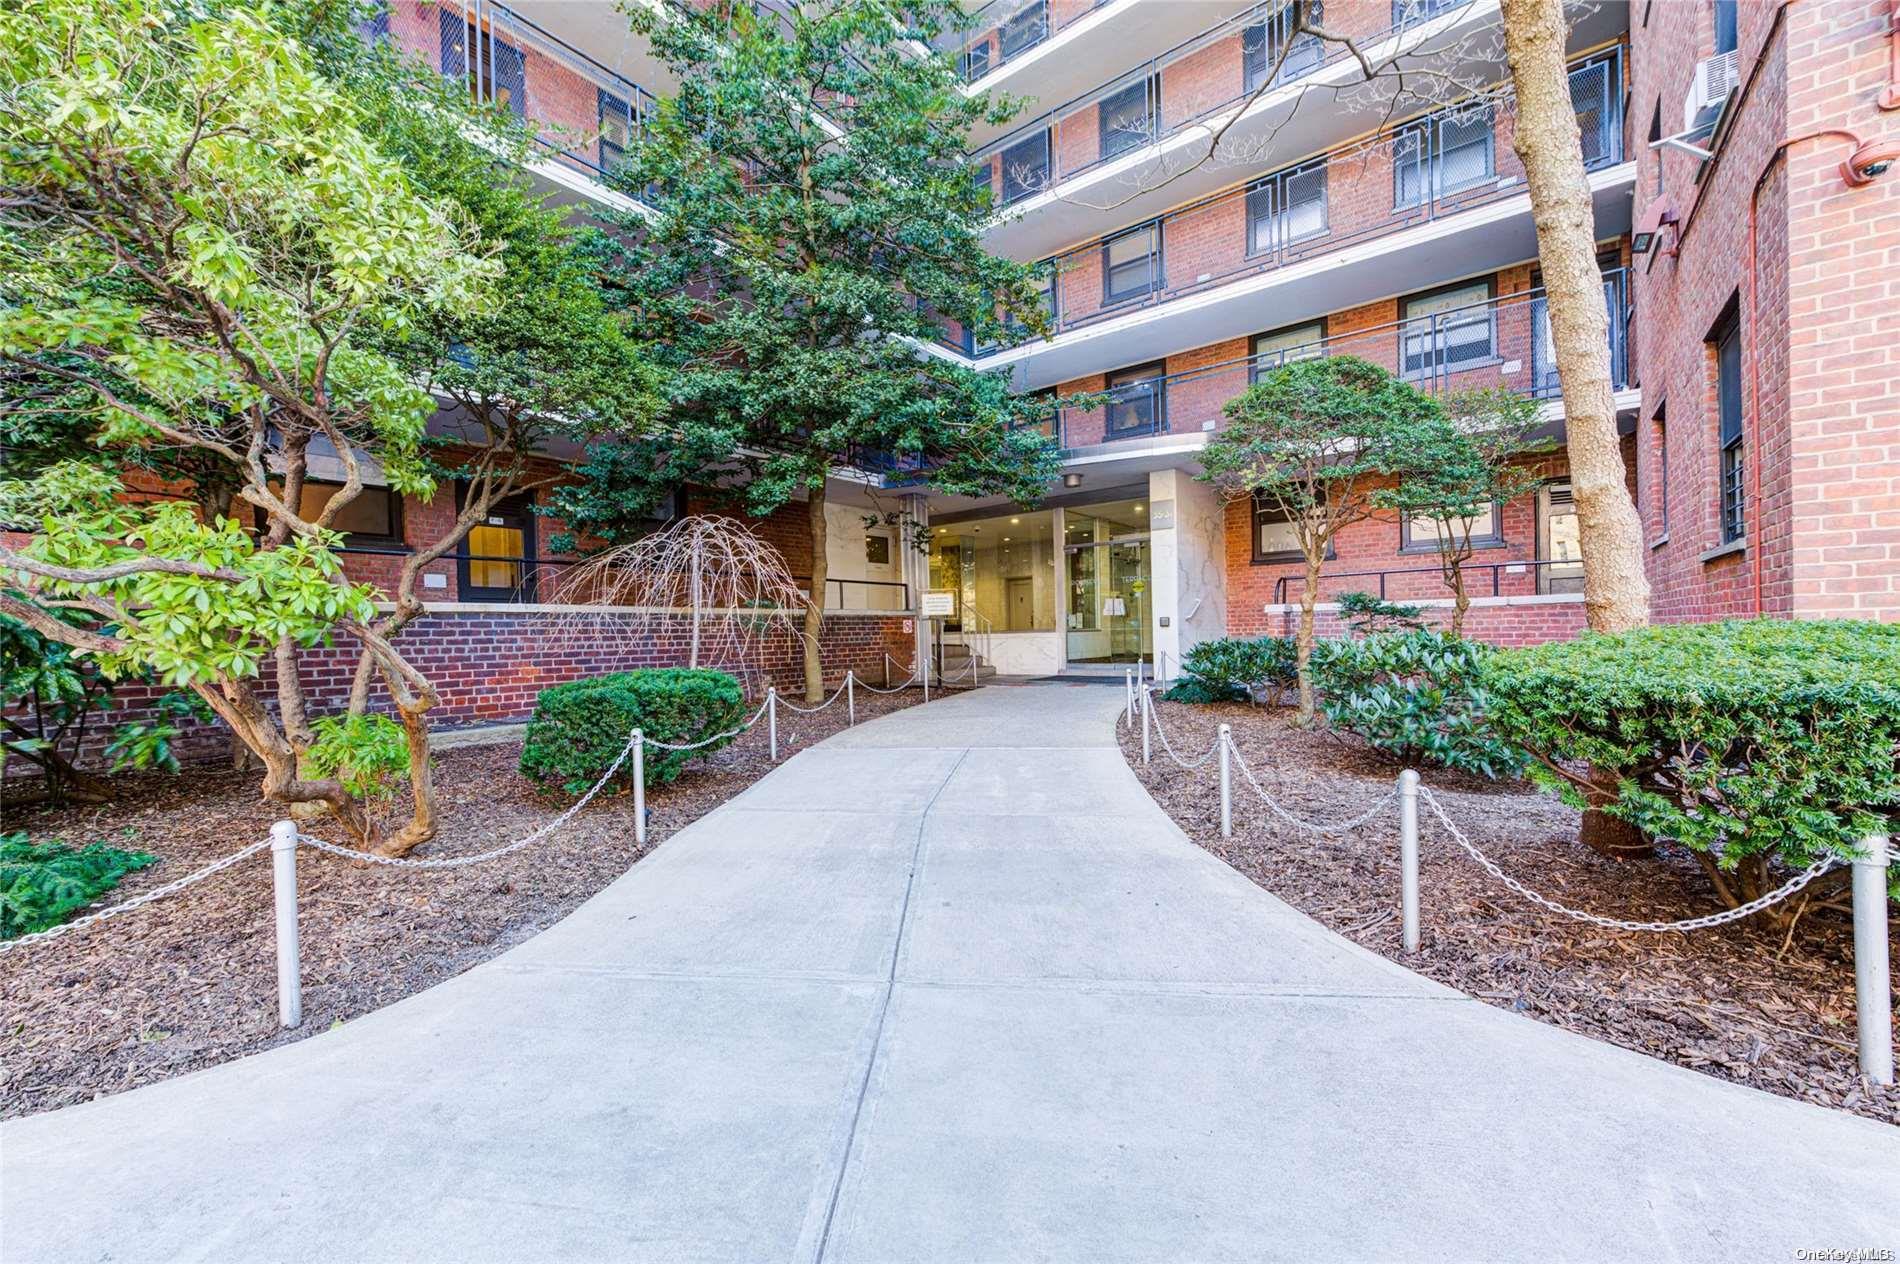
<point x="1615" y="588"/>
<point x="1605" y="834"/>
<point x="1303" y="641"/>
<point x="1460" y="602"/>
<point x="815" y="608"/>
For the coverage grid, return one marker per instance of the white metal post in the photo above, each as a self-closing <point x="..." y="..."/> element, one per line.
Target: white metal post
<point x="1147" y="717"/>
<point x="1873" y="981"/>
<point x="771" y="717"/>
<point x="1408" y="857"/>
<point x="283" y="872"/>
<point x="926" y="677"/>
<point x="1128" y="683"/>
<point x="850" y="699"/>
<point x="639" y="787"/>
<point x="1226" y="783"/>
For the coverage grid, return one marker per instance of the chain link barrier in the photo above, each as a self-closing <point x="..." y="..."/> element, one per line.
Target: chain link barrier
<point x="137" y="901"/>
<point x="793" y="706"/>
<point x="1316" y="827"/>
<point x="708" y="741"/>
<point x="1792" y="887"/>
<point x="1167" y="747"/>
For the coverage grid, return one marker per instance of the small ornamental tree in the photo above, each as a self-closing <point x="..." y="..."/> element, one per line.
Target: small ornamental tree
<point x="1317" y="440"/>
<point x="1476" y="463"/>
<point x="816" y="226"/>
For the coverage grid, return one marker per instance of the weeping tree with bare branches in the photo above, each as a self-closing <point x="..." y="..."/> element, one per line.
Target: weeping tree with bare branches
<point x="732" y="586"/>
<point x="213" y="247"/>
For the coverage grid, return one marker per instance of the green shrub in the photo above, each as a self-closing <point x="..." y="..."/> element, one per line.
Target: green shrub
<point x="580" y="728"/>
<point x="1743" y="740"/>
<point x="1418" y="696"/>
<point x="1233" y="669"/>
<point x="42" y="884"/>
<point x="367" y="754"/>
<point x="1365" y="614"/>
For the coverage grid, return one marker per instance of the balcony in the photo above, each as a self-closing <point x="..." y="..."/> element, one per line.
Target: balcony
<point x="1504" y="342"/>
<point x="582" y="113"/>
<point x="1142" y="142"/>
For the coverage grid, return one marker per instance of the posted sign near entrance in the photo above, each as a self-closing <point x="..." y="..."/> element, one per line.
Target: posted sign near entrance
<point x="939" y="605"/>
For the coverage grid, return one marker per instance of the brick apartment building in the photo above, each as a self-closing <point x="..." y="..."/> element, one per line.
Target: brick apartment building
<point x="1755" y="315"/>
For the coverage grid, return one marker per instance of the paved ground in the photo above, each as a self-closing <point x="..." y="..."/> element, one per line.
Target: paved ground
<point x="947" y="987"/>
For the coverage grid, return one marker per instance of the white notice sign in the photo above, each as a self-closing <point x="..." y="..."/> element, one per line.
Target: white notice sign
<point x="939" y="605"/>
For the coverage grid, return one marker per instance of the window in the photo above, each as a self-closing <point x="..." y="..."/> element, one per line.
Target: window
<point x="1440" y="155"/>
<point x="1593" y="88"/>
<point x="499" y="72"/>
<point x="1026" y="167"/>
<point x="1129" y="118"/>
<point x="1655" y="154"/>
<point x="1728" y="394"/>
<point x="1420" y="533"/>
<point x="1045" y="282"/>
<point x="976" y="60"/>
<point x="617" y="128"/>
<point x="1286" y="207"/>
<point x="494" y="563"/>
<point x="1131" y="264"/>
<point x="373" y="517"/>
<point x="1300" y="342"/>
<point x="1659" y="494"/>
<point x="1275" y="541"/>
<point x="1025" y="30"/>
<point x="1261" y="45"/>
<point x="1446" y="330"/>
<point x="1137" y="400"/>
<point x="877" y="549"/>
<point x="1412" y="12"/>
<point x="1725" y="24"/>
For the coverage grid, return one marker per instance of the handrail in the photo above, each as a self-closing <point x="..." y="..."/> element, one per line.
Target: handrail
<point x="1267" y="10"/>
<point x="1496" y="569"/>
<point x="1288" y="247"/>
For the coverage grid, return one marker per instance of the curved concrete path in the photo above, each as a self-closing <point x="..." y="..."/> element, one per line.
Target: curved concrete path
<point x="947" y="987"/>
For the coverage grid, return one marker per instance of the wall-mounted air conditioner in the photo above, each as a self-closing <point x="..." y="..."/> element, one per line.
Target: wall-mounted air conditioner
<point x="1715" y="81"/>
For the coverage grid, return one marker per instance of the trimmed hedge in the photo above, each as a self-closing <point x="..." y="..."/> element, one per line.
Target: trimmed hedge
<point x="580" y="728"/>
<point x="1418" y="696"/>
<point x="1747" y="739"/>
<point x="1232" y="669"/>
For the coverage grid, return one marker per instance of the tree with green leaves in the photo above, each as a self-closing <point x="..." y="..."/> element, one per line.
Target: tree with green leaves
<point x="1322" y="442"/>
<point x="1479" y="462"/>
<point x="245" y="237"/>
<point x="816" y="226"/>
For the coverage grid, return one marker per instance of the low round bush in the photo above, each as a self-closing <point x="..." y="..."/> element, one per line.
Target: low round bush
<point x="1233" y="669"/>
<point x="580" y="728"/>
<point x="1745" y="740"/>
<point x="1418" y="696"/>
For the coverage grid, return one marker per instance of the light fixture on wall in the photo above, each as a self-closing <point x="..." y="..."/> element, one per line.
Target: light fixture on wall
<point x="1660" y="213"/>
<point x="1072" y="479"/>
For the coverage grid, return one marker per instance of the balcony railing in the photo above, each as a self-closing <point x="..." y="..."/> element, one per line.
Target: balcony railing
<point x="1149" y="103"/>
<point x="1506" y="578"/>
<point x="1505" y="342"/>
<point x="582" y="113"/>
<point x="1006" y="29"/>
<point x="1419" y="172"/>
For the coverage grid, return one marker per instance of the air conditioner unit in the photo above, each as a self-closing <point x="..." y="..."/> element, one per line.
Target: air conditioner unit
<point x="1716" y="79"/>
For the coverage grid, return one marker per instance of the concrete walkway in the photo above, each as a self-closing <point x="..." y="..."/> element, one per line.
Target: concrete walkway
<point x="946" y="987"/>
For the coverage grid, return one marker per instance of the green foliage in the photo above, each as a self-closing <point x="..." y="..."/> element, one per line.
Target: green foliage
<point x="1366" y="614"/>
<point x="217" y="620"/>
<point x="41" y="884"/>
<point x="1760" y="738"/>
<point x="148" y="743"/>
<point x="789" y="278"/>
<point x="368" y="754"/>
<point x="1233" y="669"/>
<point x="580" y="728"/>
<point x="1418" y="696"/>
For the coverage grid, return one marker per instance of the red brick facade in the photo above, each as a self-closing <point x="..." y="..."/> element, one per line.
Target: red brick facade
<point x="1770" y="230"/>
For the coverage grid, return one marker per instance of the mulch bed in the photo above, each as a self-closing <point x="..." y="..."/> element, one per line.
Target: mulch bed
<point x="1746" y="1002"/>
<point x="190" y="980"/>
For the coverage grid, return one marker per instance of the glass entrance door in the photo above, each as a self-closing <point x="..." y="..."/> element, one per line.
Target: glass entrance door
<point x="1108" y="585"/>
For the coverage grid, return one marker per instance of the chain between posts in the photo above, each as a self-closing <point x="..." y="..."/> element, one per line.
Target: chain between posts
<point x="137" y="901"/>
<point x="1792" y="887"/>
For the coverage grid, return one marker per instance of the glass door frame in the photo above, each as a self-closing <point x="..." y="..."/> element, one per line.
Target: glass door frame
<point x="1144" y="538"/>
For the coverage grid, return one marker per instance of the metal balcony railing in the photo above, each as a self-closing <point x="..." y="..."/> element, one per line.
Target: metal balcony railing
<point x="1419" y="172"/>
<point x="582" y="114"/>
<point x="1143" y="104"/>
<point x="1006" y="29"/>
<point x="1507" y="578"/>
<point x="1504" y="342"/>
